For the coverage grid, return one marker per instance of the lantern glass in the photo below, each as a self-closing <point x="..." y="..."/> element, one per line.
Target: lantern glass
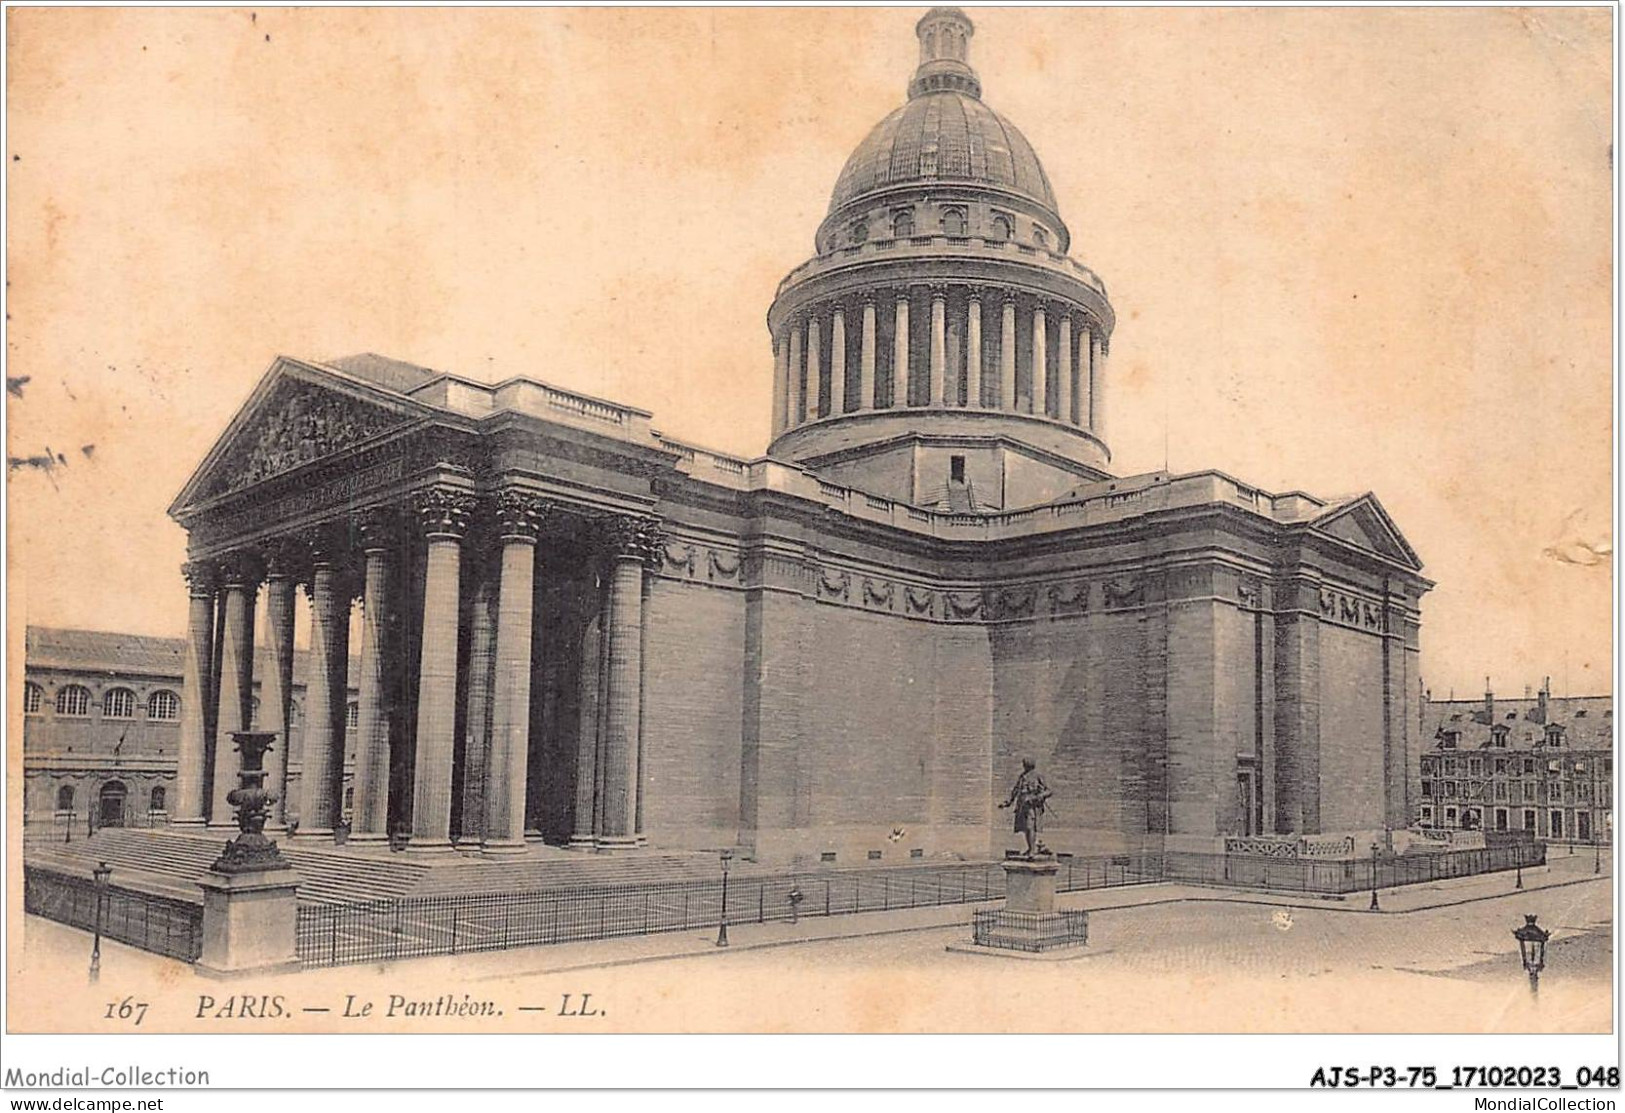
<point x="1532" y="944"/>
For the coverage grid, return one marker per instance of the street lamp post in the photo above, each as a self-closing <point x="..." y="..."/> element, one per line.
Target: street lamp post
<point x="722" y="926"/>
<point x="101" y="873"/>
<point x="1375" y="907"/>
<point x="1532" y="950"/>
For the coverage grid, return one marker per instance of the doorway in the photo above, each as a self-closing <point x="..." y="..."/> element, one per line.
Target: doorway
<point x="110" y="805"/>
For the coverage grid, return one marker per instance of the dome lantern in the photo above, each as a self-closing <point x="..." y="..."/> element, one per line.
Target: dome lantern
<point x="944" y="48"/>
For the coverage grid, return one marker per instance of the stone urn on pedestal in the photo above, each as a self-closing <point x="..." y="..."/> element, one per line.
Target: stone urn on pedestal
<point x="250" y="894"/>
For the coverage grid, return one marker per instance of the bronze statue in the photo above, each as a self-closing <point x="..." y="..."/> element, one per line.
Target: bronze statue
<point x="1029" y="795"/>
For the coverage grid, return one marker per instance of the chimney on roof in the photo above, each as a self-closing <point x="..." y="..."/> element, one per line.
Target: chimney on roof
<point x="1545" y="696"/>
<point x="1489" y="702"/>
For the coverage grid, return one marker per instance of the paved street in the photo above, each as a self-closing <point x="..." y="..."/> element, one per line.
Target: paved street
<point x="1160" y="958"/>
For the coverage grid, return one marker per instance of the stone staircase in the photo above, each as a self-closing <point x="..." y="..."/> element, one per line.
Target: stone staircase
<point x="169" y="862"/>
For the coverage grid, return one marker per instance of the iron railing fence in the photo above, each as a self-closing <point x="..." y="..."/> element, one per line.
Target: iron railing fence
<point x="339" y="934"/>
<point x="150" y="922"/>
<point x="1350" y="876"/>
<point x="1029" y="931"/>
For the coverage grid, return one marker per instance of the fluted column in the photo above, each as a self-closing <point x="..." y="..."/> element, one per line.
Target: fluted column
<point x="899" y="359"/>
<point x="276" y="690"/>
<point x="837" y="363"/>
<point x="481" y="583"/>
<point x="242" y="575"/>
<point x="939" y="347"/>
<point x="815" y="368"/>
<point x="1007" y="357"/>
<point x="781" y="383"/>
<point x="380" y="538"/>
<point x="582" y="829"/>
<point x="1063" y="371"/>
<point x="973" y="352"/>
<point x="519" y="517"/>
<point x="1097" y="383"/>
<point x="633" y="542"/>
<point x="793" y="414"/>
<point x="1040" y="360"/>
<point x="321" y="777"/>
<point x="866" y="359"/>
<point x="443" y="517"/>
<point x="1086" y="417"/>
<point x="196" y="682"/>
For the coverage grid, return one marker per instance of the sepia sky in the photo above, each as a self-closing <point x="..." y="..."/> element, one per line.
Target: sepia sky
<point x="1349" y="250"/>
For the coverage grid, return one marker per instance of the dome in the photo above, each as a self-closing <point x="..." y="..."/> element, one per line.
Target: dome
<point x="950" y="137"/>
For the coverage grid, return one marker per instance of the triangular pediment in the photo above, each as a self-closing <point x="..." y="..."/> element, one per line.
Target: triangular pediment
<point x="299" y="414"/>
<point x="1363" y="523"/>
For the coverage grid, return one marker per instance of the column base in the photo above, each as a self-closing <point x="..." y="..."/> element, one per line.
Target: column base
<point x="611" y="843"/>
<point x="430" y="846"/>
<point x="190" y="823"/>
<point x="503" y="848"/>
<point x="369" y="836"/>
<point x="581" y="842"/>
<point x="307" y="835"/>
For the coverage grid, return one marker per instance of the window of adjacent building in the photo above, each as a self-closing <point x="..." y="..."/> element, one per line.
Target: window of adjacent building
<point x="1529" y="819"/>
<point x="1427" y="788"/>
<point x="33" y="698"/>
<point x="1579" y="767"/>
<point x="1450" y="788"/>
<point x="1427" y="814"/>
<point x="1500" y="790"/>
<point x="157" y="800"/>
<point x="64" y="798"/>
<point x="1500" y="765"/>
<point x="1607" y="765"/>
<point x="1554" y="736"/>
<point x="163" y="704"/>
<point x="1580" y="714"/>
<point x="1528" y="765"/>
<point x="1450" y="817"/>
<point x="73" y="699"/>
<point x="1475" y="768"/>
<point x="352" y="716"/>
<point x="1554" y="793"/>
<point x="1450" y="766"/>
<point x="1557" y="825"/>
<point x="902" y="224"/>
<point x="1003" y="227"/>
<point x="1554" y="766"/>
<point x="119" y="703"/>
<point x="1584" y="790"/>
<point x="953" y="222"/>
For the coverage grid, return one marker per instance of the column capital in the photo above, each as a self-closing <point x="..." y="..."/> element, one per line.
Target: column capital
<point x="286" y="558"/>
<point x="519" y="514"/>
<point x="378" y="527"/>
<point x="633" y="537"/>
<point x="202" y="577"/>
<point x="443" y="512"/>
<point x="243" y="569"/>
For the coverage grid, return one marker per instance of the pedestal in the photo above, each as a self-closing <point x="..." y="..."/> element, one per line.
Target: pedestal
<point x="1028" y="926"/>
<point x="250" y="923"/>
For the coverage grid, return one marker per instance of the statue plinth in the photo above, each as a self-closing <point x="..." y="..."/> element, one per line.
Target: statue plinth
<point x="1028" y="926"/>
<point x="250" y="894"/>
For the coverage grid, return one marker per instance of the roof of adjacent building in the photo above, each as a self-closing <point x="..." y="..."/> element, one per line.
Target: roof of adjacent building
<point x="1587" y="722"/>
<point x="114" y="654"/>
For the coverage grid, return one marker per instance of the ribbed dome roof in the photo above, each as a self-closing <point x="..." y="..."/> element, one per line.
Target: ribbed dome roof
<point x="947" y="136"/>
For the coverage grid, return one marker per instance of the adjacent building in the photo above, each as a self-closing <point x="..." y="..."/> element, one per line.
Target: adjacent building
<point x="101" y="727"/>
<point x="1541" y="764"/>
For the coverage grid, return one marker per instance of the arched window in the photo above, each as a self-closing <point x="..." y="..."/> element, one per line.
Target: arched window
<point x="64" y="798"/>
<point x="73" y="699"/>
<point x="352" y="716"/>
<point x="164" y="704"/>
<point x="902" y="224"/>
<point x="1002" y="228"/>
<point x="33" y="698"/>
<point x="157" y="800"/>
<point x="253" y="713"/>
<point x="953" y="222"/>
<point x="119" y="703"/>
<point x="1040" y="237"/>
<point x="860" y="231"/>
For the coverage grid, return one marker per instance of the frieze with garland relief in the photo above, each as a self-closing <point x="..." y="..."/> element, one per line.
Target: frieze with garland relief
<point x="1348" y="610"/>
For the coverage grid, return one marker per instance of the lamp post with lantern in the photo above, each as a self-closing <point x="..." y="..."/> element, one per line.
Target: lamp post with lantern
<point x="722" y="926"/>
<point x="1532" y="949"/>
<point x="100" y="875"/>
<point x="1375" y="907"/>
